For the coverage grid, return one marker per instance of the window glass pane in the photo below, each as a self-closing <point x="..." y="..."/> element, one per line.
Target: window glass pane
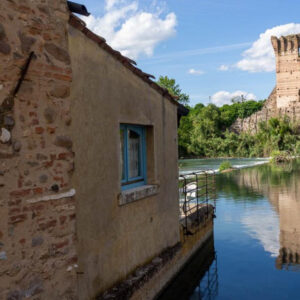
<point x="134" y="157"/>
<point x="122" y="147"/>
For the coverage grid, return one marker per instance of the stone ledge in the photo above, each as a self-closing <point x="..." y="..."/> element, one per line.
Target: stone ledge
<point x="137" y="279"/>
<point x="138" y="193"/>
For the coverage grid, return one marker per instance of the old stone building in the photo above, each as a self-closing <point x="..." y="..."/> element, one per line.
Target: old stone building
<point x="285" y="98"/>
<point x="126" y="213"/>
<point x="88" y="163"/>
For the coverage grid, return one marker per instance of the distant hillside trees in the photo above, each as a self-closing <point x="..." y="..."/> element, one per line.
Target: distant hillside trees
<point x="204" y="132"/>
<point x="244" y="109"/>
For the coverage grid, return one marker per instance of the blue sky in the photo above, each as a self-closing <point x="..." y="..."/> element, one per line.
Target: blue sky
<point x="190" y="40"/>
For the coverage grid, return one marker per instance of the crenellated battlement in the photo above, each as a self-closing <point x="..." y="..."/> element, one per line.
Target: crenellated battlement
<point x="285" y="98"/>
<point x="286" y="44"/>
<point x="286" y="50"/>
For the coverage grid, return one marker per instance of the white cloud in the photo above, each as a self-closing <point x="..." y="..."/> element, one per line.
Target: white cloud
<point x="195" y="72"/>
<point x="171" y="56"/>
<point x="224" y="68"/>
<point x="110" y="4"/>
<point x="223" y="97"/>
<point x="132" y="31"/>
<point x="260" y="56"/>
<point x="263" y="227"/>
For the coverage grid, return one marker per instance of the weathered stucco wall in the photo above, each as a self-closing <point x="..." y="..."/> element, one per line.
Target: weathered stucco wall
<point x="37" y="253"/>
<point x="190" y="245"/>
<point x="113" y="240"/>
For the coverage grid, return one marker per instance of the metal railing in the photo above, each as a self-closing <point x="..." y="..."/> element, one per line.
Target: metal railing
<point x="209" y="284"/>
<point x="196" y="191"/>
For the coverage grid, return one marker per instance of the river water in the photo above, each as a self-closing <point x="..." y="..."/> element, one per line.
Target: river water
<point x="255" y="250"/>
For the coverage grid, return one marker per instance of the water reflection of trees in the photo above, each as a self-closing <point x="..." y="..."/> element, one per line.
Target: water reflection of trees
<point x="280" y="184"/>
<point x="228" y="185"/>
<point x="251" y="183"/>
<point x="279" y="174"/>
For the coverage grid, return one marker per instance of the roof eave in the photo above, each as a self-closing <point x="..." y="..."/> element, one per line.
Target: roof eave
<point x="80" y="25"/>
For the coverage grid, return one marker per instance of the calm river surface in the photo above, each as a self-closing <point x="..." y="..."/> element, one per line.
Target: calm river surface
<point x="255" y="251"/>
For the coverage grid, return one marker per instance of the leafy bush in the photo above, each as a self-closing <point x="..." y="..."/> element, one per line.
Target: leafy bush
<point x="205" y="133"/>
<point x="225" y="165"/>
<point x="229" y="113"/>
<point x="297" y="148"/>
<point x="280" y="156"/>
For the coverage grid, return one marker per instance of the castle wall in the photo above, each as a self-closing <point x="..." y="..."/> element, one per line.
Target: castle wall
<point x="37" y="210"/>
<point x="251" y="123"/>
<point x="287" y="71"/>
<point x="285" y="98"/>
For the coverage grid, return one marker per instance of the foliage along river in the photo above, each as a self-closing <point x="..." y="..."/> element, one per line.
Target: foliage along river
<point x="255" y="250"/>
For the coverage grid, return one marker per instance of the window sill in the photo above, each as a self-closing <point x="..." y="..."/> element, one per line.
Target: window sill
<point x="138" y="193"/>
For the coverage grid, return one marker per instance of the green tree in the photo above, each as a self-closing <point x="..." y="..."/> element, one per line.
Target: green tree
<point x="174" y="89"/>
<point x="184" y="135"/>
<point x="247" y="108"/>
<point x="239" y="109"/>
<point x="206" y="132"/>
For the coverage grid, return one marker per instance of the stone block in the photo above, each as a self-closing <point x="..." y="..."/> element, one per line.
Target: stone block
<point x="63" y="141"/>
<point x="2" y="32"/>
<point x="58" y="52"/>
<point x="138" y="193"/>
<point x="5" y="136"/>
<point x="37" y="241"/>
<point x="50" y="114"/>
<point x="4" y="48"/>
<point x="26" y="42"/>
<point x="60" y="91"/>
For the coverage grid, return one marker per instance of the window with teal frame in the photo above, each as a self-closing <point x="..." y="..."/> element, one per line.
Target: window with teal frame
<point x="133" y="156"/>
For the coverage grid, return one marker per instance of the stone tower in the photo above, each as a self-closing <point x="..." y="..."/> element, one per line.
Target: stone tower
<point x="286" y="50"/>
<point x="285" y="97"/>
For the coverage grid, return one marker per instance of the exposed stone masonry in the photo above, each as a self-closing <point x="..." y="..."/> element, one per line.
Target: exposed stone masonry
<point x="251" y="123"/>
<point x="37" y="209"/>
<point x="285" y="98"/>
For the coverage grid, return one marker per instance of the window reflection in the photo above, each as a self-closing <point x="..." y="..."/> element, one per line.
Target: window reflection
<point x="122" y="153"/>
<point x="134" y="154"/>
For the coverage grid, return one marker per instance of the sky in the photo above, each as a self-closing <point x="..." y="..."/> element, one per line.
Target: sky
<point x="215" y="49"/>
